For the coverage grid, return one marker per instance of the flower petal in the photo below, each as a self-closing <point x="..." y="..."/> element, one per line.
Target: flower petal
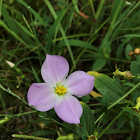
<point x="54" y="69"/>
<point x="79" y="83"/>
<point x="69" y="109"/>
<point x="41" y="96"/>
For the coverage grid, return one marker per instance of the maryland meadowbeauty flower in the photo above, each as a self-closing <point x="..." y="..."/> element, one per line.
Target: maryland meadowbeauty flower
<point x="58" y="92"/>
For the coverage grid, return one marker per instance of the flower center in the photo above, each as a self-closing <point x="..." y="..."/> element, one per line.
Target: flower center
<point x="60" y="90"/>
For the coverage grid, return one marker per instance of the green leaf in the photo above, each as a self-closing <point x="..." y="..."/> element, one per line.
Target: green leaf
<point x="138" y="58"/>
<point x="105" y="47"/>
<point x="129" y="84"/>
<point x="117" y="6"/>
<point x="99" y="64"/>
<point x="121" y="122"/>
<point x="27" y="24"/>
<point x="25" y="30"/>
<point x="131" y="111"/>
<point x="8" y="19"/>
<point x="130" y="35"/>
<point x="87" y="123"/>
<point x="36" y="15"/>
<point x="105" y="100"/>
<point x="2" y="24"/>
<point x="53" y="28"/>
<point x="127" y="50"/>
<point x="17" y="31"/>
<point x="107" y="86"/>
<point x="13" y="94"/>
<point x="138" y="134"/>
<point x="86" y="98"/>
<point x="79" y="43"/>
<point x="69" y="7"/>
<point x="120" y="48"/>
<point x="61" y="30"/>
<point x="135" y="95"/>
<point x="131" y="124"/>
<point x="36" y="75"/>
<point x="106" y="116"/>
<point x="135" y="68"/>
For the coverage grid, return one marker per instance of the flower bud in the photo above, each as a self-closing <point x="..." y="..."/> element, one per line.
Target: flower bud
<point x="128" y="3"/>
<point x="10" y="63"/>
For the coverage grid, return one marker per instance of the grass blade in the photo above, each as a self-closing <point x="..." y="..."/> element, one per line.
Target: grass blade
<point x="61" y="29"/>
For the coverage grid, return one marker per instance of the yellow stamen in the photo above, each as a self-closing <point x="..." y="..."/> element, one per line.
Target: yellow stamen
<point x="60" y="90"/>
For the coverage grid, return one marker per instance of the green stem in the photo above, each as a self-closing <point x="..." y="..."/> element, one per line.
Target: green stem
<point x="21" y="114"/>
<point x="14" y="51"/>
<point x="81" y="53"/>
<point x="0" y="7"/>
<point x="18" y="115"/>
<point x="92" y="7"/>
<point x="134" y="88"/>
<point x="100" y="117"/>
<point x="99" y="123"/>
<point x="29" y="137"/>
<point x="104" y="57"/>
<point x="9" y="91"/>
<point x="4" y="120"/>
<point x="75" y="6"/>
<point x="125" y="102"/>
<point x="2" y="101"/>
<point x="99" y="9"/>
<point x="111" y="123"/>
<point x="61" y="124"/>
<point x="71" y="36"/>
<point x="135" y="77"/>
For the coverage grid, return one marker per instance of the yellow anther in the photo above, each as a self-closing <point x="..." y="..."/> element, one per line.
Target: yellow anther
<point x="60" y="90"/>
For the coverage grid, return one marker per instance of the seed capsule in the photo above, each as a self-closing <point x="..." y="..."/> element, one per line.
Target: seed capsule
<point x="137" y="51"/>
<point x="131" y="53"/>
<point x="128" y="75"/>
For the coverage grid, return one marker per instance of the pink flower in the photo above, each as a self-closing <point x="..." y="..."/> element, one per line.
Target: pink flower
<point x="58" y="91"/>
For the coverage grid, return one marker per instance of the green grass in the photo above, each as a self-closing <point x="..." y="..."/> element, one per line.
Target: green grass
<point x="31" y="29"/>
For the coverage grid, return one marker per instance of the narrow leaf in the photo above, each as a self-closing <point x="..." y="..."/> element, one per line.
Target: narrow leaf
<point x="131" y="111"/>
<point x="36" y="15"/>
<point x="25" y="30"/>
<point x="99" y="64"/>
<point x="36" y="76"/>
